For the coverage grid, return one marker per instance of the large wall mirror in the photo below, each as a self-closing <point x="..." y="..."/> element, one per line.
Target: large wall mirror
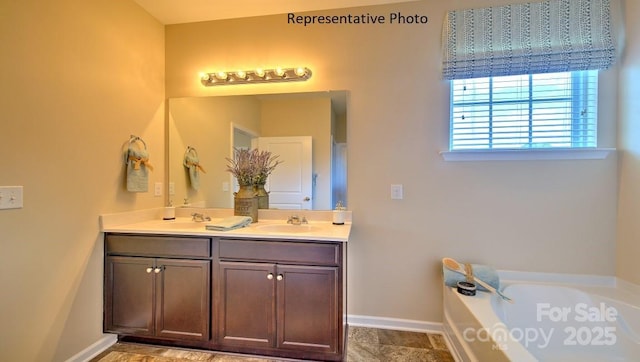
<point x="209" y="128"/>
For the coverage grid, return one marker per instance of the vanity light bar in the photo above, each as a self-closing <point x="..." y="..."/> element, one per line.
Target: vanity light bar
<point x="256" y="76"/>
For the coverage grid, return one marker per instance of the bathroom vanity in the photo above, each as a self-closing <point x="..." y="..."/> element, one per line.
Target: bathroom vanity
<point x="268" y="289"/>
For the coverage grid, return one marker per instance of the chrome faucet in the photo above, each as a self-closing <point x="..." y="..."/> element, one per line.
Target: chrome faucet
<point x="296" y="220"/>
<point x="198" y="217"/>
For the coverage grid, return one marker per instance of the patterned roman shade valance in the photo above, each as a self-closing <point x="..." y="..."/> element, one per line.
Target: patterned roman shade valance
<point x="539" y="37"/>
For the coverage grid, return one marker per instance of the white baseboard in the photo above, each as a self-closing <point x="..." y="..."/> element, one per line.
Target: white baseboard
<point x="95" y="349"/>
<point x="394" y="323"/>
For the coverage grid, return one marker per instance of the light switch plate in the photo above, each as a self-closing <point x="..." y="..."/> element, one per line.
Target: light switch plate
<point x="396" y="192"/>
<point x="157" y="190"/>
<point x="11" y="197"/>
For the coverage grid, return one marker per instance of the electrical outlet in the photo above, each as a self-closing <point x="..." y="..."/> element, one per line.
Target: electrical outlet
<point x="157" y="191"/>
<point x="11" y="197"/>
<point x="396" y="192"/>
<point x="225" y="186"/>
<point x="172" y="188"/>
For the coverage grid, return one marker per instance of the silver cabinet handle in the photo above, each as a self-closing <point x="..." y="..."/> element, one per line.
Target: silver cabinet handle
<point x="306" y="199"/>
<point x="270" y="276"/>
<point x="149" y="270"/>
<point x="280" y="277"/>
<point x="157" y="270"/>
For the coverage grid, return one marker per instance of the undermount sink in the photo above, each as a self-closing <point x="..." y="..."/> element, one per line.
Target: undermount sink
<point x="288" y="228"/>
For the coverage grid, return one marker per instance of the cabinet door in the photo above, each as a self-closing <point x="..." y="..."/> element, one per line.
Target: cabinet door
<point x="129" y="295"/>
<point x="307" y="307"/>
<point x="247" y="307"/>
<point x="182" y="299"/>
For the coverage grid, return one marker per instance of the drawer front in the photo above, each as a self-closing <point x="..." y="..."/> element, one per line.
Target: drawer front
<point x="276" y="251"/>
<point x="152" y="245"/>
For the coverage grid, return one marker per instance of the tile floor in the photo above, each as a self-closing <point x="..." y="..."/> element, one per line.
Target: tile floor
<point x="364" y="345"/>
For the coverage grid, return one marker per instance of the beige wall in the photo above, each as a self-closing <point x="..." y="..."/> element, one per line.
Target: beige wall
<point x="629" y="148"/>
<point x="549" y="216"/>
<point x="78" y="77"/>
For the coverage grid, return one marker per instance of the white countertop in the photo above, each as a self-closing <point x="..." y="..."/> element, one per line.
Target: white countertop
<point x="150" y="222"/>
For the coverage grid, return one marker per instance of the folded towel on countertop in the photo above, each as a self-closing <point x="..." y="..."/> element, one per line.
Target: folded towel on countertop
<point x="229" y="223"/>
<point x="483" y="272"/>
<point x="192" y="163"/>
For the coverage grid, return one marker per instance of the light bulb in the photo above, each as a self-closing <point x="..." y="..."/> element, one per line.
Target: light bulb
<point x="279" y="72"/>
<point x="300" y="71"/>
<point x="241" y="74"/>
<point x="204" y="76"/>
<point x="260" y="72"/>
<point x="221" y="75"/>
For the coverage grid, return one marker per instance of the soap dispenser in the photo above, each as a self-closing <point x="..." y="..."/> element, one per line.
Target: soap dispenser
<point x="339" y="214"/>
<point x="169" y="212"/>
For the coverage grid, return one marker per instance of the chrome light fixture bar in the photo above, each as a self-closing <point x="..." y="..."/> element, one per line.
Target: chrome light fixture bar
<point x="256" y="76"/>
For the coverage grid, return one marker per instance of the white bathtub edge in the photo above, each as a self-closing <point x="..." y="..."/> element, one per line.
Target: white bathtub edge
<point x="634" y="288"/>
<point x="608" y="287"/>
<point x="542" y="277"/>
<point x="458" y="351"/>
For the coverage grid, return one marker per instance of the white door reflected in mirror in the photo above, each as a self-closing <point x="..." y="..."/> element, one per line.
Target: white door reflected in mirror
<point x="290" y="185"/>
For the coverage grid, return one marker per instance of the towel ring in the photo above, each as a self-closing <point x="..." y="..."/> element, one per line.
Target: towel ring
<point x="190" y="150"/>
<point x="132" y="140"/>
<point x="192" y="161"/>
<point x="135" y="138"/>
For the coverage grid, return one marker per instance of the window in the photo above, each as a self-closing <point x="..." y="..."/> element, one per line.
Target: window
<point x="549" y="110"/>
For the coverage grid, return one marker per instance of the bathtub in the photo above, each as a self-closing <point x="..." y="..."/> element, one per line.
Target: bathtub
<point x="554" y="317"/>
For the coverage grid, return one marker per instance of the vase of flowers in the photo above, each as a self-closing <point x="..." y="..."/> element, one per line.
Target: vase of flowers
<point x="245" y="202"/>
<point x="262" y="194"/>
<point x="251" y="168"/>
<point x="265" y="163"/>
<point x="242" y="167"/>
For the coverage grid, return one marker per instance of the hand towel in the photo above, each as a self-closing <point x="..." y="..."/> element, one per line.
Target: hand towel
<point x="192" y="163"/>
<point x="138" y="166"/>
<point x="229" y="223"/>
<point x="483" y="272"/>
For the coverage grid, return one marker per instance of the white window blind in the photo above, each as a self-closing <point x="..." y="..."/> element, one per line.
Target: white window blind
<point x="549" y="110"/>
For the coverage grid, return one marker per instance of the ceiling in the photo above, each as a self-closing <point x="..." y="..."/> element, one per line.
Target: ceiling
<point x="189" y="11"/>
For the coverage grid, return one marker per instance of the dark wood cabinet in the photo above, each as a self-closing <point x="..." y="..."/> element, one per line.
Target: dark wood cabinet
<point x="307" y="308"/>
<point x="246" y="316"/>
<point x="129" y="296"/>
<point x="280" y="298"/>
<point x="157" y="297"/>
<point x="283" y="306"/>
<point x="182" y="299"/>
